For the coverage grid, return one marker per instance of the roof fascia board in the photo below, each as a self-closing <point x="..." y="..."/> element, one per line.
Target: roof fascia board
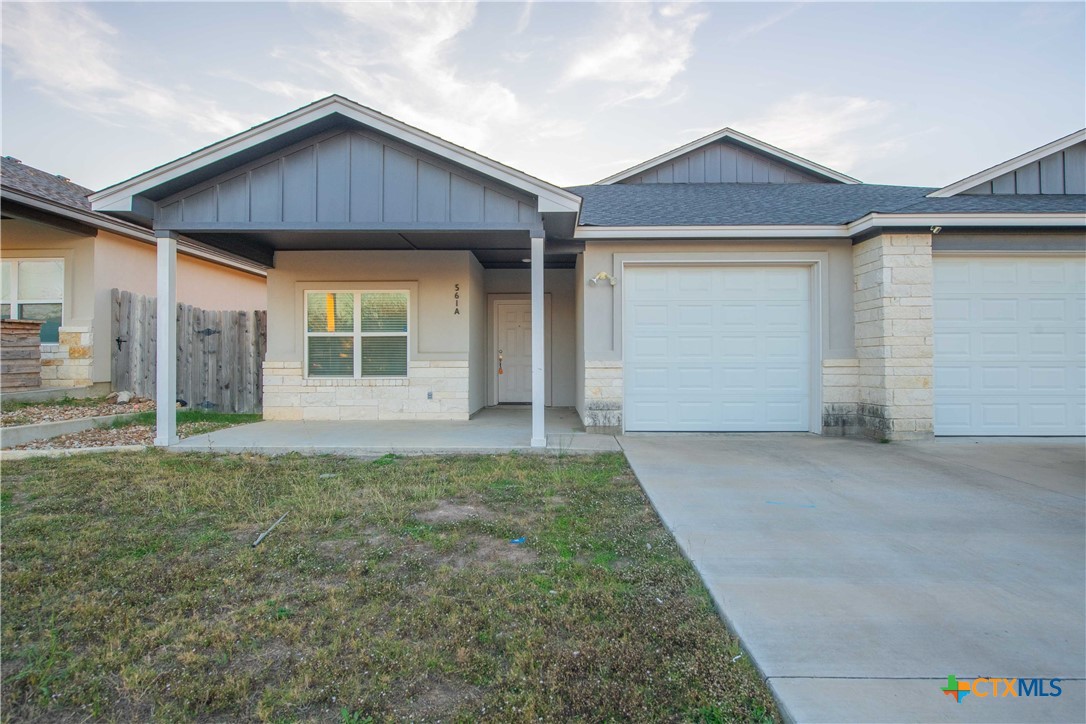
<point x="742" y="139"/>
<point x="1012" y="165"/>
<point x="870" y="221"/>
<point x="829" y="231"/>
<point x="619" y="233"/>
<point x="551" y="198"/>
<point x="185" y="245"/>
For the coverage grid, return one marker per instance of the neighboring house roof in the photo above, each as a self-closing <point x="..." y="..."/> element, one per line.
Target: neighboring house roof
<point x="740" y="139"/>
<point x="17" y="175"/>
<point x="50" y="196"/>
<point x="971" y="182"/>
<point x="131" y="198"/>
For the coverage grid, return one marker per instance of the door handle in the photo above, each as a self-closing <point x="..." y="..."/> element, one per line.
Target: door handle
<point x="500" y="371"/>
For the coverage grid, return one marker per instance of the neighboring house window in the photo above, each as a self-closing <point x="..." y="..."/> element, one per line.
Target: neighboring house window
<point x="34" y="289"/>
<point x="356" y="334"/>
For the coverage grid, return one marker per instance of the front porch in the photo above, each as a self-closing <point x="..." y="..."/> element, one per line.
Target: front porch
<point x="394" y="259"/>
<point x="492" y="430"/>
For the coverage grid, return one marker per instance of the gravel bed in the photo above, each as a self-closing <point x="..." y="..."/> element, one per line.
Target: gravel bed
<point x="108" y="436"/>
<point x="46" y="412"/>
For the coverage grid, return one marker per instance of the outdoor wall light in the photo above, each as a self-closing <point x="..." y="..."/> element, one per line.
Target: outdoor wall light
<point x="603" y="277"/>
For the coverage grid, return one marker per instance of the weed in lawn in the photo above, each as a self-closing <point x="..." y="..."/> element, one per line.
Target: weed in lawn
<point x="132" y="592"/>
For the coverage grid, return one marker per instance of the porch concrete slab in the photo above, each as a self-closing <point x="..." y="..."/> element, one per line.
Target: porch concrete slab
<point x="490" y="431"/>
<point x="841" y="560"/>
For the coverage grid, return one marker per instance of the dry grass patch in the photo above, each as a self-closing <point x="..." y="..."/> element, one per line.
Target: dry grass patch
<point x="391" y="591"/>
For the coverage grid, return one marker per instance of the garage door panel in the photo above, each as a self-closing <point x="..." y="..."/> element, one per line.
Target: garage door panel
<point x="693" y="316"/>
<point x="1010" y="341"/>
<point x="749" y="372"/>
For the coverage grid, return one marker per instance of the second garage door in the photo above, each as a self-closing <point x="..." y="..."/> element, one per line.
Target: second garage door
<point x="1010" y="346"/>
<point x="717" y="348"/>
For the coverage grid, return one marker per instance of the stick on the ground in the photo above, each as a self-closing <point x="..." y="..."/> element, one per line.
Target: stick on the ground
<point x="269" y="530"/>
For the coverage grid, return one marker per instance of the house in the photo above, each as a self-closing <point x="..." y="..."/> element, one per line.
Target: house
<point x="60" y="260"/>
<point x="726" y="285"/>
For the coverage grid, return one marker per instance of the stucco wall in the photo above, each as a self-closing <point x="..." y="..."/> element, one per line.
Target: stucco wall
<point x="437" y="385"/>
<point x="477" y="352"/>
<point x="130" y="265"/>
<point x="94" y="265"/>
<point x="559" y="283"/>
<point x="578" y="342"/>
<point x="74" y="361"/>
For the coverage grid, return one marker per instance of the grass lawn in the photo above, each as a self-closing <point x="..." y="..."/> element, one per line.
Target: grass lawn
<point x="131" y="591"/>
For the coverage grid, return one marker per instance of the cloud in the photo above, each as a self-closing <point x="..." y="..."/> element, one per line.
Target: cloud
<point x="524" y="19"/>
<point x="762" y="25"/>
<point x="69" y="52"/>
<point x="836" y="131"/>
<point x="396" y="57"/>
<point x="401" y="59"/>
<point x="644" y="48"/>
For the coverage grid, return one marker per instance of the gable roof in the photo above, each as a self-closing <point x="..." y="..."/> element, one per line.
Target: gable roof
<point x="738" y="204"/>
<point x="47" y="197"/>
<point x="670" y="211"/>
<point x="207" y="162"/>
<point x="741" y="139"/>
<point x="14" y="174"/>
<point x="1012" y="165"/>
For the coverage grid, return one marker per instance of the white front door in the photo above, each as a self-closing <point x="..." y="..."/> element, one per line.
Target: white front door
<point x="717" y="348"/>
<point x="1010" y="346"/>
<point x="515" y="351"/>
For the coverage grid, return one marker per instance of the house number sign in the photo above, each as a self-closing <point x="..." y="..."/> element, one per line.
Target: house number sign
<point x="456" y="299"/>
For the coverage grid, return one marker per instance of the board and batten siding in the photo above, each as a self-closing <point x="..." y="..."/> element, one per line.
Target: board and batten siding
<point x="1061" y="173"/>
<point x="349" y="177"/>
<point x="723" y="162"/>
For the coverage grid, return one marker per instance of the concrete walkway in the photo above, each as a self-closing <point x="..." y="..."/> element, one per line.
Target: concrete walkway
<point x="859" y="575"/>
<point x="492" y="430"/>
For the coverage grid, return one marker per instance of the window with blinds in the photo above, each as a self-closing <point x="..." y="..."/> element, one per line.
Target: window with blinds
<point x="356" y="334"/>
<point x="34" y="289"/>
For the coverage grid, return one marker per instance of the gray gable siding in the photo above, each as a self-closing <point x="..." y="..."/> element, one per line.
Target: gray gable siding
<point x="348" y="177"/>
<point x="723" y="162"/>
<point x="1061" y="173"/>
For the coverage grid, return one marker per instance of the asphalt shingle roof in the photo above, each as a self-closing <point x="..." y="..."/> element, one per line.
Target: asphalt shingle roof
<point x="33" y="181"/>
<point x="784" y="204"/>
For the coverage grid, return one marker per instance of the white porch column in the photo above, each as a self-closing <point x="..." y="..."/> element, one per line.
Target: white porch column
<point x="539" y="433"/>
<point x="166" y="370"/>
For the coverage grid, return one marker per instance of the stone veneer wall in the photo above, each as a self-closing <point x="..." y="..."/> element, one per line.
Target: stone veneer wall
<point x="289" y="395"/>
<point x="840" y="397"/>
<point x="893" y="308"/>
<point x="68" y="363"/>
<point x="603" y="396"/>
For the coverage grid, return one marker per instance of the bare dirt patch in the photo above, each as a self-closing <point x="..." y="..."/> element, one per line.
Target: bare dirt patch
<point x="449" y="511"/>
<point x="339" y="549"/>
<point x="480" y="550"/>
<point x="441" y="696"/>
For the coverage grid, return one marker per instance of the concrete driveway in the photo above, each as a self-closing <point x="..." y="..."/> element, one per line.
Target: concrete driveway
<point x="859" y="575"/>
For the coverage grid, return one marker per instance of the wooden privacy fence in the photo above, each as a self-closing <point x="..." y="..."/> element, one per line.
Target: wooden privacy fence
<point x="219" y="354"/>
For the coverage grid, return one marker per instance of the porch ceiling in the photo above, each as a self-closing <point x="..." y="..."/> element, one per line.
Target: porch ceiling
<point x="494" y="249"/>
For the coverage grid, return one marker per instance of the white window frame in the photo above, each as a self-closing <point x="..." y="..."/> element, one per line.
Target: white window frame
<point x="356" y="333"/>
<point x="15" y="301"/>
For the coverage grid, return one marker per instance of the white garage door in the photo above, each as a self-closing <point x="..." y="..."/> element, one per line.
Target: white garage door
<point x="724" y="348"/>
<point x="1010" y="343"/>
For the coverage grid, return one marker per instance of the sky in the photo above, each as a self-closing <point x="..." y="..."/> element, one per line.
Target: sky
<point x="895" y="93"/>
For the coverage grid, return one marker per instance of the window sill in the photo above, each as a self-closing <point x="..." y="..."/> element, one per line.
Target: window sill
<point x="355" y="381"/>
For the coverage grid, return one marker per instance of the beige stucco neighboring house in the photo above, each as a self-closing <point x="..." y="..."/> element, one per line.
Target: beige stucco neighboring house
<point x="59" y="261"/>
<point x="726" y="285"/>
